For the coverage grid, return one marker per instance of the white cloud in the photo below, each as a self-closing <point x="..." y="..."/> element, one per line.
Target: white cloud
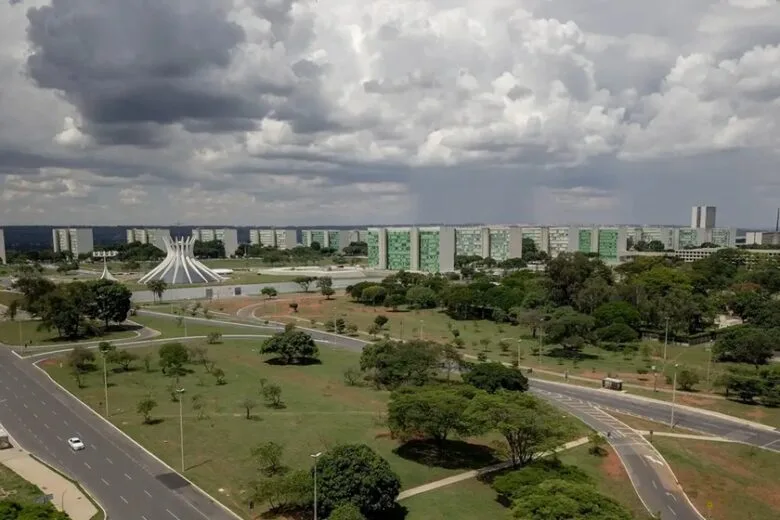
<point x="392" y="111"/>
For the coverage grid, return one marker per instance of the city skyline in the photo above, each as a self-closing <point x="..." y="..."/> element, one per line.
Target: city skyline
<point x="547" y="112"/>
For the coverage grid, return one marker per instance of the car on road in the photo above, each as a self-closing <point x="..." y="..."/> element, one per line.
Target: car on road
<point x="76" y="444"/>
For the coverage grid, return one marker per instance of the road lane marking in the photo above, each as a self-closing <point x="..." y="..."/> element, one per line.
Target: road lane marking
<point x="109" y="460"/>
<point x="148" y="494"/>
<point x="47" y="426"/>
<point x="66" y="422"/>
<point x="53" y="412"/>
<point x="35" y="415"/>
<point x="654" y="484"/>
<point x="43" y="402"/>
<point x="672" y="496"/>
<point x="770" y="443"/>
<point x="128" y="477"/>
<point x="144" y="518"/>
<point x="654" y="460"/>
<point x="670" y="509"/>
<point x="123" y="499"/>
<point x="88" y="466"/>
<point x="176" y="517"/>
<point x="105" y="482"/>
<point x="24" y="404"/>
<point x="59" y="438"/>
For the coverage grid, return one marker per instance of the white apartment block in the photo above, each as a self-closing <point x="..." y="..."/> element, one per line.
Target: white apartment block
<point x="3" y="258"/>
<point x="271" y="237"/>
<point x="78" y="241"/>
<point x="703" y="217"/>
<point x="228" y="237"/>
<point x="336" y="239"/>
<point x="152" y="236"/>
<point x="762" y="238"/>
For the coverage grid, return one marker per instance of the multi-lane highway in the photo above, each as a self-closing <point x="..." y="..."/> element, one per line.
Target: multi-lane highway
<point x="127" y="482"/>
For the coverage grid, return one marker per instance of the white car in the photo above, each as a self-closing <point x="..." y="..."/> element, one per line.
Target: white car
<point x="76" y="444"/>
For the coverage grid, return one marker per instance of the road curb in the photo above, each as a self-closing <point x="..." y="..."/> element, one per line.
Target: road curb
<point x="155" y="457"/>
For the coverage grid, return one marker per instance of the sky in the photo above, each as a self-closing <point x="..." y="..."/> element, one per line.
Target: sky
<point x="347" y="112"/>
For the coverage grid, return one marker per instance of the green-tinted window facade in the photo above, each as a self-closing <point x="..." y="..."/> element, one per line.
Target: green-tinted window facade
<point x="584" y="241"/>
<point x="468" y="242"/>
<point x="688" y="238"/>
<point x="429" y="251"/>
<point x="333" y="239"/>
<point x="318" y="236"/>
<point x="373" y="249"/>
<point x="499" y="244"/>
<point x="399" y="250"/>
<point x="608" y="244"/>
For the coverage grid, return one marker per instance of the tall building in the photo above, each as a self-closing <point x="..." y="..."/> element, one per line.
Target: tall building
<point x="77" y="241"/>
<point x="703" y="217"/>
<point x="149" y="236"/>
<point x="427" y="249"/>
<point x="336" y="239"/>
<point x="762" y="238"/>
<point x="3" y="258"/>
<point x="270" y="237"/>
<point x="228" y="237"/>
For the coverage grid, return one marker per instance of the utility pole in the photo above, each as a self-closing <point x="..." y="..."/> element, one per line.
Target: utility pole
<point x="674" y="394"/>
<point x="180" y="393"/>
<point x="666" y="338"/>
<point x="709" y="364"/>
<point x="421" y="330"/>
<point x="315" y="456"/>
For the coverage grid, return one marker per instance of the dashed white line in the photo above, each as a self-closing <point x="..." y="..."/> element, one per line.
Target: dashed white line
<point x="47" y="426"/>
<point x="109" y="460"/>
<point x="144" y="518"/>
<point x="123" y="499"/>
<point x="88" y="466"/>
<point x="176" y="517"/>
<point x="671" y="510"/>
<point x="148" y="494"/>
<point x="105" y="482"/>
<point x="24" y="404"/>
<point x="35" y="415"/>
<point x="128" y="477"/>
<point x="654" y="484"/>
<point x="59" y="438"/>
<point x="43" y="402"/>
<point x="66" y="422"/>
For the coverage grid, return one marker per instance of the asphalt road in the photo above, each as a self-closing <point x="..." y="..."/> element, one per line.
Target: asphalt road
<point x="650" y="474"/>
<point x="661" y="411"/>
<point x="124" y="479"/>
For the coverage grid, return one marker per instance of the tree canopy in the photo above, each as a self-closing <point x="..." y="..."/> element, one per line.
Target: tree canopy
<point x="292" y="346"/>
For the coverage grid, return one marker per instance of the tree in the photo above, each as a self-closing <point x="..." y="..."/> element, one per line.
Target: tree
<point x="291" y="346"/>
<point x="293" y="306"/>
<point x="430" y="412"/>
<point x="352" y="329"/>
<point x="617" y="333"/>
<point x="559" y="499"/>
<point x="531" y="318"/>
<point x="421" y="297"/>
<point x="284" y="491"/>
<point x="597" y="443"/>
<point x="492" y="377"/>
<point x="687" y="379"/>
<point x="213" y="337"/>
<point x="393" y="301"/>
<point x="219" y="375"/>
<point x="13" y="510"/>
<point x="373" y="295"/>
<point x="594" y="292"/>
<point x="356" y="474"/>
<point x="273" y="395"/>
<point x="529" y="426"/>
<point x="269" y="292"/>
<point x="123" y="358"/>
<point x="248" y="404"/>
<point x="346" y="511"/>
<point x="568" y="328"/>
<point x="568" y="272"/>
<point x="110" y="301"/>
<point x="173" y="357"/>
<point x="745" y="344"/>
<point x="269" y="456"/>
<point x="158" y="287"/>
<point x="325" y="284"/>
<point x="393" y="363"/>
<point x="352" y="376"/>
<point x="145" y="407"/>
<point x="617" y="312"/>
<point x="340" y="325"/>
<point x="304" y="282"/>
<point x="380" y="320"/>
<point x="199" y="406"/>
<point x="81" y="359"/>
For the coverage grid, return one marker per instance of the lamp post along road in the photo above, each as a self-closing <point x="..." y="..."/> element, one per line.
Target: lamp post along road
<point x="709" y="364"/>
<point x="421" y="330"/>
<point x="315" y="456"/>
<point x="674" y="394"/>
<point x="666" y="338"/>
<point x="180" y="392"/>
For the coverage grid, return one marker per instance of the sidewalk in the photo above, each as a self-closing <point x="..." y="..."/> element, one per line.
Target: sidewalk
<point x="67" y="496"/>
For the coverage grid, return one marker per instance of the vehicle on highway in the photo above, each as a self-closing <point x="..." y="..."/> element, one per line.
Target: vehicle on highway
<point x="76" y="444"/>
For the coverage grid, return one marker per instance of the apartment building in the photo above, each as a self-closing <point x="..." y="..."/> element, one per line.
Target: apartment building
<point x="152" y="236"/>
<point x="271" y="237"/>
<point x="77" y="241"/>
<point x="3" y="258"/>
<point x="228" y="237"/>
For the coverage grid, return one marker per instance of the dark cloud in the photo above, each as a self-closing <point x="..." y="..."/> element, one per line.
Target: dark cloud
<point x="138" y="64"/>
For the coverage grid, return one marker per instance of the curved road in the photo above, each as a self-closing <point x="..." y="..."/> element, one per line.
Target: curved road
<point x="131" y="484"/>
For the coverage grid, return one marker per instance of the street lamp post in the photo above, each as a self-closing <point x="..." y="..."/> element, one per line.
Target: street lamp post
<point x="666" y="338"/>
<point x="709" y="364"/>
<point x="518" y="353"/>
<point x="674" y="394"/>
<point x="315" y="456"/>
<point x="104" y="351"/>
<point x="421" y="329"/>
<point x="179" y="392"/>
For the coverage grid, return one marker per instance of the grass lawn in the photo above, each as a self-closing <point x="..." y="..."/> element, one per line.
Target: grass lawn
<point x="741" y="482"/>
<point x="320" y="411"/>
<point x="237" y="278"/>
<point x="10" y="333"/>
<point x="638" y="423"/>
<point x="14" y="487"/>
<point x="6" y="297"/>
<point x="169" y="327"/>
<point x="467" y="500"/>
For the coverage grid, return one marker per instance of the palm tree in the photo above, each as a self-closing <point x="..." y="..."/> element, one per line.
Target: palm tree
<point x="158" y="287"/>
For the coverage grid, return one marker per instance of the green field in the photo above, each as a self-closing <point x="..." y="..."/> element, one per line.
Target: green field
<point x="740" y="482"/>
<point x="320" y="412"/>
<point x="6" y="297"/>
<point x="21" y="332"/>
<point x="237" y="278"/>
<point x="171" y="327"/>
<point x="14" y="487"/>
